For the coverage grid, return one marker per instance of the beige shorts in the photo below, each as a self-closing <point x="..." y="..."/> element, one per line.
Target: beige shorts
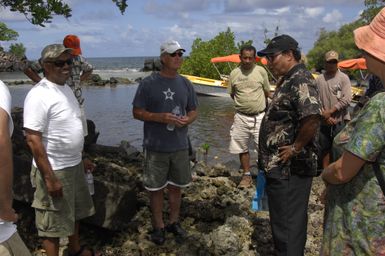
<point x="161" y="169"/>
<point x="14" y="246"/>
<point x="55" y="217"/>
<point x="244" y="129"/>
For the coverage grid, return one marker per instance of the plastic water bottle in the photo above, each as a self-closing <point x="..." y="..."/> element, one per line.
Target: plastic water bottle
<point x="90" y="182"/>
<point x="176" y="111"/>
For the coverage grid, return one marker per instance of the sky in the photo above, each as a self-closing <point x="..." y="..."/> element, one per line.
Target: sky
<point x="105" y="32"/>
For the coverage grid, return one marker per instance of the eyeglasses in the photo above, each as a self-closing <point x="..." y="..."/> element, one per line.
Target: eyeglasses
<point x="180" y="54"/>
<point x="272" y="57"/>
<point x="332" y="61"/>
<point x="61" y="63"/>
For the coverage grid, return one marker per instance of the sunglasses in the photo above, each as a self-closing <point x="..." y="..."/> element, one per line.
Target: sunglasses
<point x="61" y="63"/>
<point x="271" y="58"/>
<point x="332" y="62"/>
<point x="180" y="54"/>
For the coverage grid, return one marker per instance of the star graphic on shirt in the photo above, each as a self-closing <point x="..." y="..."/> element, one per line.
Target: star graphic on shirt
<point x="169" y="94"/>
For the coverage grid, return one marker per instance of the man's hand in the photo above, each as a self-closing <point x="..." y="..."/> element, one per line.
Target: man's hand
<point x="54" y="186"/>
<point x="182" y="121"/>
<point x="326" y="114"/>
<point x="331" y="121"/>
<point x="88" y="165"/>
<point x="170" y="118"/>
<point x="285" y="153"/>
<point x="8" y="214"/>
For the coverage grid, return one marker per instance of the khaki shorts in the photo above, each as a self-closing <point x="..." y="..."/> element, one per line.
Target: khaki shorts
<point x="55" y="217"/>
<point x="14" y="246"/>
<point x="161" y="169"/>
<point x="242" y="131"/>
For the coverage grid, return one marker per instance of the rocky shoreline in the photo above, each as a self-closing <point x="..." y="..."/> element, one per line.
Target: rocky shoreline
<point x="216" y="214"/>
<point x="93" y="80"/>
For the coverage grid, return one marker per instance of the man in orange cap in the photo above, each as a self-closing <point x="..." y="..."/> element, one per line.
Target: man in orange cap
<point x="80" y="71"/>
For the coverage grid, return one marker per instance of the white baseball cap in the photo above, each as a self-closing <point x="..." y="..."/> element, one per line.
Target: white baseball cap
<point x="170" y="46"/>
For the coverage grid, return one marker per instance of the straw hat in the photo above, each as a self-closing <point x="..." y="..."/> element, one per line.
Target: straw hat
<point x="371" y="38"/>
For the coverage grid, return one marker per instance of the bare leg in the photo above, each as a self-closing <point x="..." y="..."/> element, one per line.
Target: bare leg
<point x="73" y="241"/>
<point x="174" y="199"/>
<point x="156" y="205"/>
<point x="245" y="165"/>
<point x="244" y="158"/>
<point x="51" y="246"/>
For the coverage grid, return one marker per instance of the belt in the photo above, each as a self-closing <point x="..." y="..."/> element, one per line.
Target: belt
<point x="250" y="114"/>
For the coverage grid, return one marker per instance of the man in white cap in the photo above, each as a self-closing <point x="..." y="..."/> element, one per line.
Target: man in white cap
<point x="54" y="132"/>
<point x="336" y="95"/>
<point x="166" y="102"/>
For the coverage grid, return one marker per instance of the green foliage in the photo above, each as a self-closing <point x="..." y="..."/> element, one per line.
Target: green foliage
<point x="242" y="43"/>
<point x="198" y="64"/>
<point x="7" y="34"/>
<point x="121" y="4"/>
<point x="205" y="146"/>
<point x="341" y="41"/>
<point x="39" y="12"/>
<point x="17" y="49"/>
<point x="372" y="8"/>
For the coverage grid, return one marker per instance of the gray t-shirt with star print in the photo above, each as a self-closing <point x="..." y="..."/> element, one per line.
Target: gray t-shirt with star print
<point x="158" y="94"/>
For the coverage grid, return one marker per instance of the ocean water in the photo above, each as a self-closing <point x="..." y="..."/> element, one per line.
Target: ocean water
<point x="127" y="67"/>
<point x="111" y="109"/>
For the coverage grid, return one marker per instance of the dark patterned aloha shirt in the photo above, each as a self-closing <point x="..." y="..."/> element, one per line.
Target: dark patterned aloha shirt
<point x="295" y="98"/>
<point x="355" y="211"/>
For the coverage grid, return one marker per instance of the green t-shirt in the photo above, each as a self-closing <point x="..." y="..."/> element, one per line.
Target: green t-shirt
<point x="248" y="88"/>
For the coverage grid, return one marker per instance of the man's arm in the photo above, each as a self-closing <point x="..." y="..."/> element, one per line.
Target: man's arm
<point x="308" y="128"/>
<point x="34" y="141"/>
<point x="32" y="74"/>
<point x="188" y="119"/>
<point x="6" y="170"/>
<point x="85" y="75"/>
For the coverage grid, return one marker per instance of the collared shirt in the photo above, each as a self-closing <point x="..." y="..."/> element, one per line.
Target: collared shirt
<point x="295" y="98"/>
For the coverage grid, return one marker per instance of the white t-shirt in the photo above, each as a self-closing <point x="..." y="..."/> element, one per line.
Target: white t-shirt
<point x="7" y="229"/>
<point x="53" y="110"/>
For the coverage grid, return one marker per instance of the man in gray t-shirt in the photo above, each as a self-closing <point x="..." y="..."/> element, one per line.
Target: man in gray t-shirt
<point x="167" y="103"/>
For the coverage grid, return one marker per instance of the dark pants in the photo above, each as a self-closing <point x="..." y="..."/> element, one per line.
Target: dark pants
<point x="288" y="203"/>
<point x="327" y="134"/>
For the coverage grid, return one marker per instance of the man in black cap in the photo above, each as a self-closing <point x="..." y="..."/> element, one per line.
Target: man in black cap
<point x="287" y="149"/>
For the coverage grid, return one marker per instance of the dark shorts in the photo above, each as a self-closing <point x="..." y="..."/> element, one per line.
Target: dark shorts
<point x="55" y="217"/>
<point x="161" y="169"/>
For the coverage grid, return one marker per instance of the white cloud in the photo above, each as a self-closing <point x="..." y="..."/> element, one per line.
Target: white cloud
<point x="333" y="17"/>
<point x="314" y="12"/>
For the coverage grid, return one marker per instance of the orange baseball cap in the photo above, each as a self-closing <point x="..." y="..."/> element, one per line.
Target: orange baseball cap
<point x="72" y="41"/>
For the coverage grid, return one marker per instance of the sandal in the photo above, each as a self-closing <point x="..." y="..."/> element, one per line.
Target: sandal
<point x="84" y="248"/>
<point x="246" y="181"/>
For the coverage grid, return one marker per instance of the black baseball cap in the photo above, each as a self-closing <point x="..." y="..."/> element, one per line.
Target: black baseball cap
<point x="279" y="44"/>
